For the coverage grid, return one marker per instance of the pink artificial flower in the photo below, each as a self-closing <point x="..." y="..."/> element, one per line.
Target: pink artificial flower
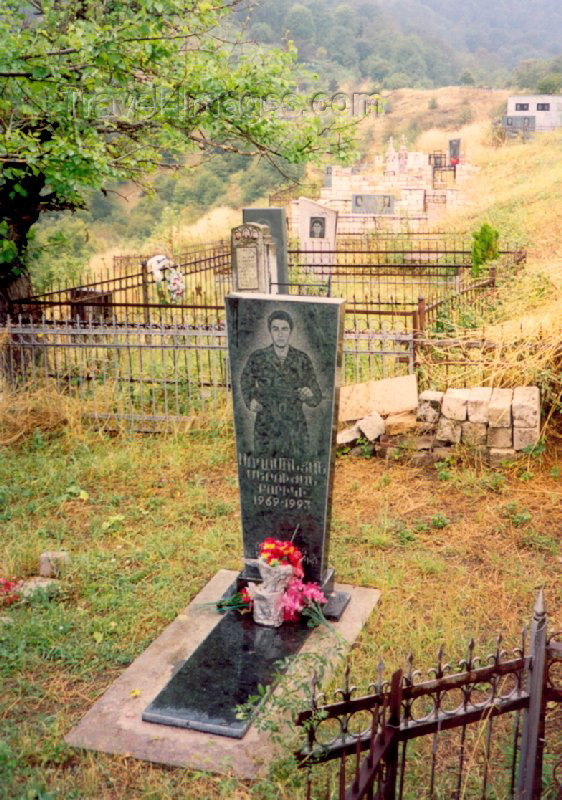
<point x="297" y="596"/>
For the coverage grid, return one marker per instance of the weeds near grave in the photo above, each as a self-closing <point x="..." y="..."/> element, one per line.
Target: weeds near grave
<point x="296" y="678"/>
<point x="532" y="540"/>
<point x="443" y="470"/>
<point x="494" y="482"/>
<point x="515" y="516"/>
<point x="439" y="520"/>
<point x="128" y="581"/>
<point x="535" y="450"/>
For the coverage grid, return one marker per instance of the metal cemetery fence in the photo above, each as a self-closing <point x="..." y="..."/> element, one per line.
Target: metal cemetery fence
<point x="129" y="293"/>
<point x="143" y="376"/>
<point x="128" y="357"/>
<point x="375" y="275"/>
<point x="490" y="730"/>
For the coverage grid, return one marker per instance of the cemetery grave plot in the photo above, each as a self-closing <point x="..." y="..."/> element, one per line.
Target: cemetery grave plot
<point x="434" y="545"/>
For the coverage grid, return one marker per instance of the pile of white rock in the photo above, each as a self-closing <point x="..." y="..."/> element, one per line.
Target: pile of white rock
<point x="503" y="421"/>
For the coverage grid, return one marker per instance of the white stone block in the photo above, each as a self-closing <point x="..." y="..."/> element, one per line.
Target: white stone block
<point x="47" y="585"/>
<point x="500" y="437"/>
<point x="397" y="424"/>
<point x="372" y="426"/>
<point x="429" y="406"/>
<point x="499" y="408"/>
<point x="478" y="402"/>
<point x="525" y="437"/>
<point x="348" y="436"/>
<point x="526" y="406"/>
<point x="386" y="396"/>
<point x="499" y="455"/>
<point x="455" y="404"/>
<point x="449" y="430"/>
<point x="473" y="433"/>
<point x="52" y="563"/>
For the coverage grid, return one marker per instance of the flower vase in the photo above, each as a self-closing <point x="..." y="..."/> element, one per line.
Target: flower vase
<point x="269" y="594"/>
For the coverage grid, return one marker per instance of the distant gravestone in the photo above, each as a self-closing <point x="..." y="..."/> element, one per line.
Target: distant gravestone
<point x="391" y="159"/>
<point x="253" y="258"/>
<point x="284" y="359"/>
<point x="403" y="157"/>
<point x="317" y="232"/>
<point x="276" y="220"/>
<point x="327" y="177"/>
<point x="454" y="151"/>
<point x="372" y="204"/>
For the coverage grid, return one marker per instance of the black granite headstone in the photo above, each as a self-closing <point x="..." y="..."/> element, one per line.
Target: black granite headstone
<point x="276" y="219"/>
<point x="285" y="354"/>
<point x="285" y="357"/>
<point x="454" y="150"/>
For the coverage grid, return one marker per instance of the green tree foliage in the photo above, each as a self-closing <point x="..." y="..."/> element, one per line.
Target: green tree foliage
<point x="542" y="77"/>
<point x="484" y="247"/>
<point x="59" y="249"/>
<point x="550" y="84"/>
<point x="97" y="93"/>
<point x="359" y="39"/>
<point x="300" y="23"/>
<point x="467" y="78"/>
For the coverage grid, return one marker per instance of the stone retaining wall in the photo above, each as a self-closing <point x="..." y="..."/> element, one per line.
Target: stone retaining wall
<point x="502" y="421"/>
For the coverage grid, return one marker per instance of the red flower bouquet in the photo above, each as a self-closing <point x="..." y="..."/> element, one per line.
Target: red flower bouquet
<point x="275" y="552"/>
<point x="283" y="596"/>
<point x="8" y="592"/>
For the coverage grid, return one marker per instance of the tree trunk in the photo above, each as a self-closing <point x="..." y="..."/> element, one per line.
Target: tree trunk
<point x="20" y="211"/>
<point x="12" y="291"/>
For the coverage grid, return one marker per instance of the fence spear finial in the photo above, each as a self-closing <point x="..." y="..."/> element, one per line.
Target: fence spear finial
<point x="539" y="610"/>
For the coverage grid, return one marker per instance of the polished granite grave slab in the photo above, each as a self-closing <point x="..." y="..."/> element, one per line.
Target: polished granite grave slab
<point x="114" y="722"/>
<point x="224" y="672"/>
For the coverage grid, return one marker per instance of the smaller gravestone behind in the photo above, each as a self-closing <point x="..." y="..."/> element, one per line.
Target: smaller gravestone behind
<point x="328" y="177"/>
<point x="254" y="260"/>
<point x="372" y="204"/>
<point x="317" y="233"/>
<point x="276" y="220"/>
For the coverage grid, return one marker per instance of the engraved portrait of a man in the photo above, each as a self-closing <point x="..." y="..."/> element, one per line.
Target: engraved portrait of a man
<point x="276" y="382"/>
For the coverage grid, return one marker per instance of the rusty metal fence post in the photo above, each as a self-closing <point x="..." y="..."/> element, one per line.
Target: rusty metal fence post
<point x="530" y="766"/>
<point x="391" y="756"/>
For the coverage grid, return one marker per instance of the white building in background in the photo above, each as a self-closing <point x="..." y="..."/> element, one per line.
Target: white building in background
<point x="545" y="108"/>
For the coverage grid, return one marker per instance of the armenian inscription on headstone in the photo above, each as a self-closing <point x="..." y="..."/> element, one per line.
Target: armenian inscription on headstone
<point x="254" y="262"/>
<point x="285" y="360"/>
<point x="276" y="220"/>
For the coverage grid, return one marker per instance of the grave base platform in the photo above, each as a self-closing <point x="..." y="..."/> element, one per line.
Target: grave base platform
<point x="114" y="724"/>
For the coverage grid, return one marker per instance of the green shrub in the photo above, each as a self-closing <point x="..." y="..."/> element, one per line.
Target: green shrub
<point x="484" y="247"/>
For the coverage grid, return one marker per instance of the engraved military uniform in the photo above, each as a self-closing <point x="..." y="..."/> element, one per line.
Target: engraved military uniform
<point x="280" y="428"/>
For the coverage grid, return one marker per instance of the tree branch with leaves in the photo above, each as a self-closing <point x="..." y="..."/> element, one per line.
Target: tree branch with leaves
<point x="97" y="93"/>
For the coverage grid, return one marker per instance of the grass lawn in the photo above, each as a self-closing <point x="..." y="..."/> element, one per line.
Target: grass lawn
<point x="457" y="551"/>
